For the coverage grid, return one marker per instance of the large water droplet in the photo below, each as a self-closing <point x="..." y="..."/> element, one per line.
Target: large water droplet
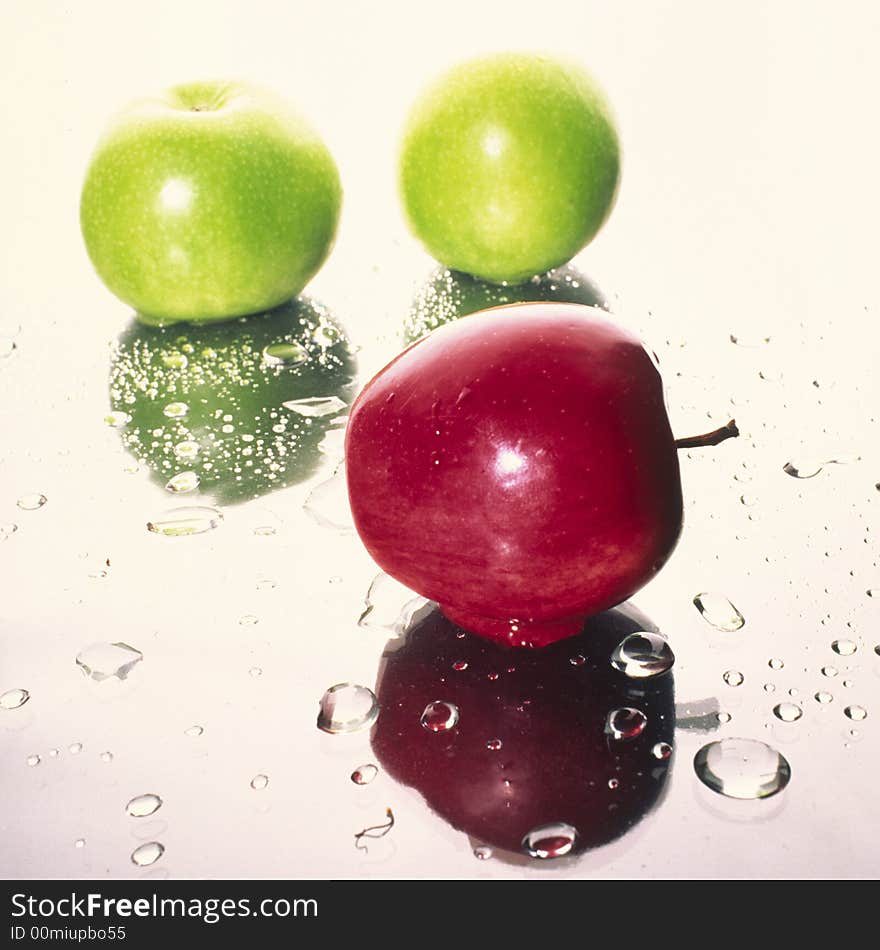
<point x="482" y="852"/>
<point x="13" y="698"/>
<point x="143" y="805"/>
<point x="823" y="697"/>
<point x="550" y="841"/>
<point x="347" y="707"/>
<point x="176" y="410"/>
<point x="194" y="731"/>
<point x="390" y="606"/>
<point x="364" y="774"/>
<point x="117" y="420"/>
<point x="147" y="854"/>
<point x="187" y="450"/>
<point x="284" y="354"/>
<point x="32" y="501"/>
<point x="259" y="782"/>
<point x="182" y="482"/>
<point x="733" y="678"/>
<point x="103" y="661"/>
<point x="717" y="610"/>
<point x="316" y="406"/>
<point x="439" y="716"/>
<point x="642" y="654"/>
<point x="858" y="713"/>
<point x="328" y="504"/>
<point x="788" y="712"/>
<point x="742" y="768"/>
<point x="662" y="750"/>
<point x="844" y="647"/>
<point x="182" y="522"/>
<point x="625" y="723"/>
<point x="33" y="760"/>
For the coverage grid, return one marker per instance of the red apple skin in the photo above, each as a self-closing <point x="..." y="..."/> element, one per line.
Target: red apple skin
<point x="555" y="763"/>
<point x="518" y="468"/>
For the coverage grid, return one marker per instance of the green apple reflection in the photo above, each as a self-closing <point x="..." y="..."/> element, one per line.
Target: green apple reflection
<point x="447" y="295"/>
<point x="235" y="410"/>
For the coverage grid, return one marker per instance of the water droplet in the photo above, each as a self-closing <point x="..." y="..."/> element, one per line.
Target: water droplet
<point x="823" y="697"/>
<point x="143" y="805"/>
<point x="857" y="713"/>
<point x="248" y="620"/>
<point x="390" y="606"/>
<point x="483" y="852"/>
<point x="256" y="672"/>
<point x="188" y="449"/>
<point x="493" y="745"/>
<point x="176" y="410"/>
<point x="106" y="756"/>
<point x="79" y="843"/>
<point x="102" y="661"/>
<point x="723" y="717"/>
<point x="175" y="360"/>
<point x="53" y="753"/>
<point x="259" y="782"/>
<point x="662" y="750"/>
<point x="742" y="768"/>
<point x="459" y="665"/>
<point x="33" y="760"/>
<point x="580" y="659"/>
<point x="642" y="654"/>
<point x="364" y="774"/>
<point x="284" y="354"/>
<point x="117" y="420"/>
<point x="13" y="698"/>
<point x="829" y="671"/>
<point x="194" y="731"/>
<point x="717" y="610"/>
<point x="264" y="531"/>
<point x="183" y="482"/>
<point x="7" y="530"/>
<point x="844" y="647"/>
<point x="733" y="678"/>
<point x="347" y="708"/>
<point x="804" y="468"/>
<point x="183" y="522"/>
<point x="613" y="783"/>
<point x="75" y="748"/>
<point x="147" y="854"/>
<point x="550" y="841"/>
<point x="625" y="723"/>
<point x="328" y="504"/>
<point x="439" y="716"/>
<point x="316" y="406"/>
<point x="788" y="712"/>
<point x="749" y="340"/>
<point x="775" y="663"/>
<point x="31" y="502"/>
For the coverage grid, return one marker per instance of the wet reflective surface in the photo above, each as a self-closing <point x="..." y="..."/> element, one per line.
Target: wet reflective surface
<point x="712" y="238"/>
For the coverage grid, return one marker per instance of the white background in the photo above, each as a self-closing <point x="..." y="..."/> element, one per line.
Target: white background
<point x="748" y="206"/>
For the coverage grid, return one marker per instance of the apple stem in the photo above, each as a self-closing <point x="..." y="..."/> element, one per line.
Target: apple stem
<point x="716" y="437"/>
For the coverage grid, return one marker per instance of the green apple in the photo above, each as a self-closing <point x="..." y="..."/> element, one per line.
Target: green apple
<point x="210" y="201"/>
<point x="509" y="166"/>
<point x="233" y="410"/>
<point x="447" y="295"/>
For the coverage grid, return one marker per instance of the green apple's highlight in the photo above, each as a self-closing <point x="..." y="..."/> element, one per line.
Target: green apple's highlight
<point x="210" y="201"/>
<point x="509" y="166"/>
<point x="209" y="406"/>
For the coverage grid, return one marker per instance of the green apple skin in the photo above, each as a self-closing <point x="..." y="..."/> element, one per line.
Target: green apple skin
<point x="211" y="201"/>
<point x="509" y="166"/>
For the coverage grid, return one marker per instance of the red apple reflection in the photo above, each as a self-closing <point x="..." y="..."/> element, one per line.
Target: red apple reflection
<point x="539" y="752"/>
<point x="518" y="468"/>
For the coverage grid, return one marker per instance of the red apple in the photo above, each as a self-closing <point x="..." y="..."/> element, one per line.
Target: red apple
<point x="518" y="467"/>
<point x="528" y="744"/>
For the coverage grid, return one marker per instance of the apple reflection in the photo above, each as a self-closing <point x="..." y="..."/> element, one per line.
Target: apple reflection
<point x="236" y="409"/>
<point x="518" y="748"/>
<point x="447" y="295"/>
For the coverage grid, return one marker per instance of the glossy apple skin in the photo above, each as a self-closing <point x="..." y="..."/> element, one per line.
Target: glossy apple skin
<point x="548" y="709"/>
<point x="517" y="467"/>
<point x="509" y="165"/>
<point x="210" y="201"/>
